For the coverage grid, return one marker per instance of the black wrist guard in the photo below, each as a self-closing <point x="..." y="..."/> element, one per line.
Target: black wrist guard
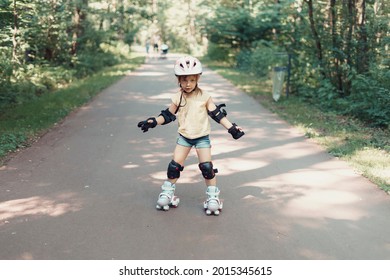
<point x="235" y="132"/>
<point x="145" y="125"/>
<point x="218" y="114"/>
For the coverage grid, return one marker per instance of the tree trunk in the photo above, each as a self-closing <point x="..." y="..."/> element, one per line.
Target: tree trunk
<point x="191" y="39"/>
<point x="14" y="33"/>
<point x="121" y="20"/>
<point x="318" y="46"/>
<point x="79" y="17"/>
<point x="362" y="50"/>
<point x="337" y="75"/>
<point x="277" y="8"/>
<point x="348" y="46"/>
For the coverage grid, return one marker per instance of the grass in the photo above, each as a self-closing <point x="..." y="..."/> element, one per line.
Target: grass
<point x="23" y="123"/>
<point x="366" y="149"/>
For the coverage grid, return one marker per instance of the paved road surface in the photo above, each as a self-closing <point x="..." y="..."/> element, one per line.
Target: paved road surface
<point x="87" y="189"/>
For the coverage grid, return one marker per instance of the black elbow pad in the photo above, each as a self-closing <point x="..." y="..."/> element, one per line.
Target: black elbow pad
<point x="168" y="116"/>
<point x="218" y="114"/>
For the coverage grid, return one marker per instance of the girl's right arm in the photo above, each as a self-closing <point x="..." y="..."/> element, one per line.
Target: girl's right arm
<point x="165" y="117"/>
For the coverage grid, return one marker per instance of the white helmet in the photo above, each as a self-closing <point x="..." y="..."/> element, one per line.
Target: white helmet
<point x="187" y="65"/>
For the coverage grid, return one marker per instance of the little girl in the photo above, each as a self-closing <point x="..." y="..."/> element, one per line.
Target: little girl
<point x="193" y="108"/>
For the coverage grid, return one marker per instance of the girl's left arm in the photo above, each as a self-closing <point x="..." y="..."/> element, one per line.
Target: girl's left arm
<point x="232" y="128"/>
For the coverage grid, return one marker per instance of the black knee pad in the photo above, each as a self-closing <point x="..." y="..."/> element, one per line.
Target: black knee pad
<point x="207" y="170"/>
<point x="174" y="170"/>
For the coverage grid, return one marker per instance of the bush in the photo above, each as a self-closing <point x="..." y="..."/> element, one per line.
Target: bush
<point x="87" y="63"/>
<point x="261" y="59"/>
<point x="369" y="101"/>
<point x="10" y="142"/>
<point x="218" y="52"/>
<point x="7" y="95"/>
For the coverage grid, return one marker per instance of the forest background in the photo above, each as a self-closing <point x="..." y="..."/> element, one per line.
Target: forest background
<point x="337" y="52"/>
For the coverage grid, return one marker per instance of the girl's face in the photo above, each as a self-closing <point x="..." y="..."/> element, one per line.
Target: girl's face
<point x="188" y="83"/>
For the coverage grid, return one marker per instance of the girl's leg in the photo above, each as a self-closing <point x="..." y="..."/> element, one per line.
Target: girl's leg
<point x="213" y="203"/>
<point x="179" y="155"/>
<point x="204" y="155"/>
<point x="167" y="197"/>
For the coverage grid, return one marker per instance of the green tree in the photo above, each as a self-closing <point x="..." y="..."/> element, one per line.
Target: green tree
<point x="45" y="43"/>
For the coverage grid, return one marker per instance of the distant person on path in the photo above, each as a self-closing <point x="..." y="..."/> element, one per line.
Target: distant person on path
<point x="147" y="46"/>
<point x="193" y="107"/>
<point x="156" y="41"/>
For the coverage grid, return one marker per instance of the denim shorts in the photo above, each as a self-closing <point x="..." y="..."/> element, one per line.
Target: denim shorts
<point x="201" y="142"/>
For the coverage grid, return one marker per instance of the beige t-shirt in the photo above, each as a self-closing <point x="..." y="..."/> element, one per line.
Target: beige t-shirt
<point x="193" y="117"/>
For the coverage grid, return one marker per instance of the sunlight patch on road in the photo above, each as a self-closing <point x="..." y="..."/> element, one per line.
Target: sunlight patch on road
<point x="130" y="165"/>
<point x="38" y="205"/>
<point x="156" y="158"/>
<point x="306" y="199"/>
<point x="223" y="145"/>
<point x="156" y="143"/>
<point x="332" y="204"/>
<point x="309" y="194"/>
<point x="313" y="255"/>
<point x="163" y="95"/>
<point x="231" y="166"/>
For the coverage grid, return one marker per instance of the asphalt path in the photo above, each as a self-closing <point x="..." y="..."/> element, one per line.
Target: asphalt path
<point x="88" y="188"/>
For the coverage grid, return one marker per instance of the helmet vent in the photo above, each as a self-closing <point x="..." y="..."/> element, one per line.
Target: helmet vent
<point x="187" y="66"/>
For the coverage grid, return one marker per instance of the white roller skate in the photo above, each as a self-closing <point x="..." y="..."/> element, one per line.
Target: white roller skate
<point x="212" y="204"/>
<point x="167" y="197"/>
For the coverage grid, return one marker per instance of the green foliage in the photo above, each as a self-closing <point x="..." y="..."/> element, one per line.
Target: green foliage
<point x="369" y="102"/>
<point x="87" y="63"/>
<point x="238" y="27"/>
<point x="261" y="59"/>
<point x="6" y="85"/>
<point x="218" y="52"/>
<point x="339" y="52"/>
<point x="46" y="44"/>
<point x="10" y="142"/>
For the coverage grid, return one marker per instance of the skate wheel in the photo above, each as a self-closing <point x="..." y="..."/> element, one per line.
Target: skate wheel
<point x="175" y="202"/>
<point x="166" y="207"/>
<point x="216" y="213"/>
<point x="158" y="207"/>
<point x="208" y="212"/>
